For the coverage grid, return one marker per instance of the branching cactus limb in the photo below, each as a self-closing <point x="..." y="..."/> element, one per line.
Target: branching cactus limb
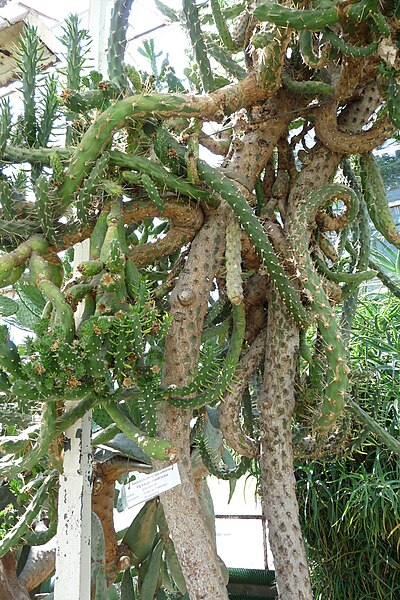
<point x="344" y="143"/>
<point x="229" y="409"/>
<point x="337" y="370"/>
<point x="16" y="258"/>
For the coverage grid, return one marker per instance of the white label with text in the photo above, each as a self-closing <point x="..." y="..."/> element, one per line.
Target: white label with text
<point x="149" y="486"/>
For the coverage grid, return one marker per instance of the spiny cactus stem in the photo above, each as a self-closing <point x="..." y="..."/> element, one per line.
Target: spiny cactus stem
<point x="16" y="258"/>
<point x="311" y="19"/>
<point x="154" y="447"/>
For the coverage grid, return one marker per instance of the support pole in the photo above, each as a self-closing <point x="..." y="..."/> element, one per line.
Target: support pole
<point x="74" y="503"/>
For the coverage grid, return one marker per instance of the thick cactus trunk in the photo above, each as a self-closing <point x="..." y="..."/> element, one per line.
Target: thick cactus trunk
<point x="193" y="541"/>
<point x="276" y="406"/>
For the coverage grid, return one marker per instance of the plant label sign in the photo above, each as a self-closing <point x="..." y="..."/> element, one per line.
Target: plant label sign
<point x="150" y="486"/>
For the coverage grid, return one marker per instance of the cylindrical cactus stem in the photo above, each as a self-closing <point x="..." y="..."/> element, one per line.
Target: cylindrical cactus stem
<point x="99" y="233"/>
<point x="341" y="276"/>
<point x="16" y="258"/>
<point x="88" y="268"/>
<point x="307" y="88"/>
<point x="154" y="447"/>
<point x="271" y="58"/>
<point x="229" y="192"/>
<point x="157" y="172"/>
<point x="41" y="276"/>
<point x="336" y="368"/>
<point x="338" y="43"/>
<point x="221" y="471"/>
<point x="221" y="26"/>
<point x="45" y="207"/>
<point x="393" y="99"/>
<point x="152" y="192"/>
<point x="373" y="427"/>
<point x="5" y="122"/>
<point x="112" y="252"/>
<point x="192" y="21"/>
<point x="117" y="39"/>
<point x="8" y="209"/>
<point x="282" y="16"/>
<point x="233" y="261"/>
<point x="89" y="188"/>
<point x="375" y="199"/>
<point x="225" y="59"/>
<point x="13" y="536"/>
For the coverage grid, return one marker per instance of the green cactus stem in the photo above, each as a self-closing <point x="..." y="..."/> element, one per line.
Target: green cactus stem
<point x="192" y="22"/>
<point x="222" y="28"/>
<point x="89" y="189"/>
<point x="327" y="222"/>
<point x="7" y="203"/>
<point x="17" y="258"/>
<point x="117" y="39"/>
<point x="152" y="192"/>
<point x="225" y="59"/>
<point x="375" y="199"/>
<point x="30" y="55"/>
<point x="271" y="58"/>
<point x="282" y="16"/>
<point x="393" y="99"/>
<point x="233" y="261"/>
<point x="157" y="172"/>
<point x="77" y="292"/>
<point x="155" y="448"/>
<point x="336" y="368"/>
<point x="229" y="192"/>
<point x="308" y="87"/>
<point x="343" y="277"/>
<point x="88" y="268"/>
<point x="13" y="536"/>
<point x="5" y="122"/>
<point x="99" y="233"/>
<point x="44" y="206"/>
<point x="41" y="276"/>
<point x="338" y="43"/>
<point x="112" y="253"/>
<point x="168" y="12"/>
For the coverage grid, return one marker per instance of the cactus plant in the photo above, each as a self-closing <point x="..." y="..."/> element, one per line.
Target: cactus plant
<point x="167" y="263"/>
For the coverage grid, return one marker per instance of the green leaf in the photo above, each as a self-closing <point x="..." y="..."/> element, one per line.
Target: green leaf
<point x="31" y="297"/>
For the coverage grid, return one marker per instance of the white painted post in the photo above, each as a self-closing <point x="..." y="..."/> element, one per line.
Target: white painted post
<point x="73" y="558"/>
<point x="74" y="503"/>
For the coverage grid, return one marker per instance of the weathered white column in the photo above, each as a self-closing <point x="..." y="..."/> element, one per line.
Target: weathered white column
<point x="73" y="559"/>
<point x="74" y="502"/>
